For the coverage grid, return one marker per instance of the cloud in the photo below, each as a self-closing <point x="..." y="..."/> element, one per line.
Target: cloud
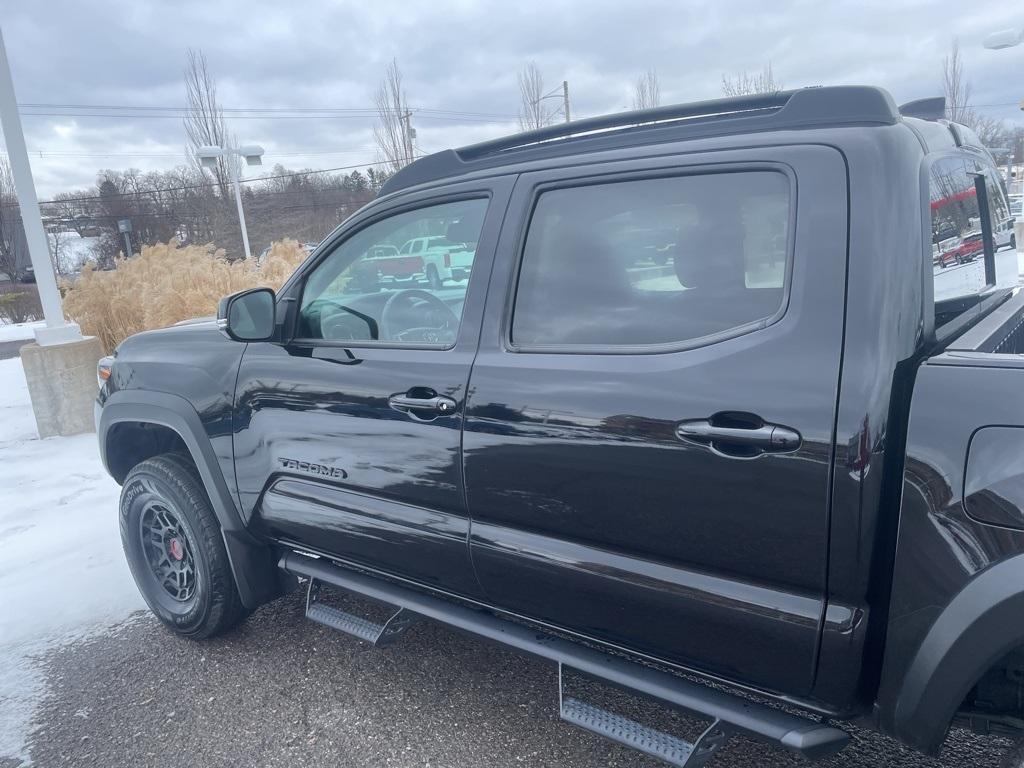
<point x="455" y="55"/>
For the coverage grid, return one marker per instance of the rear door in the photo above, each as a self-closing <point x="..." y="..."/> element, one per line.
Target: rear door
<point x="347" y="438"/>
<point x="649" y="432"/>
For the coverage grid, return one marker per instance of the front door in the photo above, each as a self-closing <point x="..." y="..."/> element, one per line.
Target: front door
<point x="347" y="437"/>
<point x="649" y="432"/>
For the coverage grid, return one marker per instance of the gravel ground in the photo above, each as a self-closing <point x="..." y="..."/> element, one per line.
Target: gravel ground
<point x="281" y="691"/>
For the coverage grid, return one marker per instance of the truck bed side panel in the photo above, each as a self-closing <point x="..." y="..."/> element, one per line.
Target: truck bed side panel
<point x="951" y="614"/>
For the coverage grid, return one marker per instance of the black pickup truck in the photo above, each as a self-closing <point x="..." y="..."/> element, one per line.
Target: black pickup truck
<point x="710" y="420"/>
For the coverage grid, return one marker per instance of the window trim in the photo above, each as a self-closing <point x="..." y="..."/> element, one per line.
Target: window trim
<point x="297" y="289"/>
<point x="669" y="172"/>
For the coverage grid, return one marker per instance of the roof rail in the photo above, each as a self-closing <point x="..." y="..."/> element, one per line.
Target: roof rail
<point x="932" y="108"/>
<point x="803" y="108"/>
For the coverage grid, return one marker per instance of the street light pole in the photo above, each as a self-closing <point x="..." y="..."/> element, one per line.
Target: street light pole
<point x="233" y="170"/>
<point x="1006" y="38"/>
<point x="253" y="154"/>
<point x="58" y="330"/>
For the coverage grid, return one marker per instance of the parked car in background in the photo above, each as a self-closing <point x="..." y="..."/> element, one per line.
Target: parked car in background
<point x="779" y="485"/>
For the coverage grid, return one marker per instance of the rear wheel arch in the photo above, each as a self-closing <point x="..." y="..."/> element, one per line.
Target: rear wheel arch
<point x="972" y="635"/>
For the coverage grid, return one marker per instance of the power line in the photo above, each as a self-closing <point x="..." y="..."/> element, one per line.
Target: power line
<point x="71" y="154"/>
<point x="368" y="110"/>
<point x="44" y="109"/>
<point x="98" y="198"/>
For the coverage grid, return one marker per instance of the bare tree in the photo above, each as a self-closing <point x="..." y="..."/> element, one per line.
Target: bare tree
<point x="647" y="91"/>
<point x="205" y="124"/>
<point x="393" y="132"/>
<point x="991" y="131"/>
<point x="955" y="86"/>
<point x="10" y="222"/>
<point x="957" y="90"/>
<point x="532" y="112"/>
<point x="748" y="83"/>
<point x="60" y="252"/>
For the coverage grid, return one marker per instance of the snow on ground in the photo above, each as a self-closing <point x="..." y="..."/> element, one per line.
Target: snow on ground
<point x="18" y="332"/>
<point x="62" y="574"/>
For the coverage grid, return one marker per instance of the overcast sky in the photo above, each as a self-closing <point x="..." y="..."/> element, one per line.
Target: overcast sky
<point x="457" y="57"/>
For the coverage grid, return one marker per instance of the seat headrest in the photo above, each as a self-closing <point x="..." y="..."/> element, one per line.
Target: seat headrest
<point x="465" y="230"/>
<point x="710" y="256"/>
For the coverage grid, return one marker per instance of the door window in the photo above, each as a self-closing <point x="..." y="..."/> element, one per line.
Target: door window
<point x="653" y="262"/>
<point x="368" y="290"/>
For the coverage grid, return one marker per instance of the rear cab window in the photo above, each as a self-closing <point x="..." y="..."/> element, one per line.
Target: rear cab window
<point x="971" y="228"/>
<point x="649" y="264"/>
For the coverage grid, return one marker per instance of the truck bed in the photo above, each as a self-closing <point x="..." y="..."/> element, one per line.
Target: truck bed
<point x="1001" y="332"/>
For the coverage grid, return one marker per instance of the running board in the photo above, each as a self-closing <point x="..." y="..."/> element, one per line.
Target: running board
<point x="729" y="713"/>
<point x="371" y="632"/>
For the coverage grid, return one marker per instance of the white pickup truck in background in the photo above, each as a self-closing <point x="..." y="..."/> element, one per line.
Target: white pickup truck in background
<point x="442" y="260"/>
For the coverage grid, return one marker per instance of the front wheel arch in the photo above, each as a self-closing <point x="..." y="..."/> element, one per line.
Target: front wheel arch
<point x="253" y="562"/>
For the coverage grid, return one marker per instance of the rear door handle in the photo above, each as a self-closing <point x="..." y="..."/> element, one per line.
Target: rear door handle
<point x="437" y="404"/>
<point x="738" y="440"/>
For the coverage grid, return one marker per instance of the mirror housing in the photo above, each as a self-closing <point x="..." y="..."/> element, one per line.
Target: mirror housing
<point x="248" y="315"/>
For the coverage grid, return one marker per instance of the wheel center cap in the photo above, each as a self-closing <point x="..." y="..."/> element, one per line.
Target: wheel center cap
<point x="174" y="547"/>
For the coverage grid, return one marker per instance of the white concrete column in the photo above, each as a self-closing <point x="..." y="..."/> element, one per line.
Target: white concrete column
<point x="58" y="330"/>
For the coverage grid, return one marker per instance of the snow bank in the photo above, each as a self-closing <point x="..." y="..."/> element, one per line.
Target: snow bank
<point x="18" y="332"/>
<point x="62" y="573"/>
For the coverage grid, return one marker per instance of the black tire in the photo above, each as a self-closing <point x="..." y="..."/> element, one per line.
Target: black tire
<point x="434" y="278"/>
<point x="162" y="502"/>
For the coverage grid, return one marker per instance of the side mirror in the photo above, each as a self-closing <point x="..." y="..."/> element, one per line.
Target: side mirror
<point x="248" y="315"/>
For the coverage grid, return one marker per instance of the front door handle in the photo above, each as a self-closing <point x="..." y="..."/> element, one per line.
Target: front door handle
<point x="740" y="438"/>
<point x="436" y="404"/>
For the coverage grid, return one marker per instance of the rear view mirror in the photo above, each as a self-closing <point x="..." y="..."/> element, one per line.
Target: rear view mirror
<point x="248" y="315"/>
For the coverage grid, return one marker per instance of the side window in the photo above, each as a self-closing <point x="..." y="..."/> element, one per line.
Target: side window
<point x="654" y="261"/>
<point x="959" y="253"/>
<point x="366" y="290"/>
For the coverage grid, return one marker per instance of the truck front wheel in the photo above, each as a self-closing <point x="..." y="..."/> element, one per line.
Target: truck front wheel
<point x="175" y="550"/>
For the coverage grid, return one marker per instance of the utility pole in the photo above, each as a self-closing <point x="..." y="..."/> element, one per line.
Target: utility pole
<point x="408" y="133"/>
<point x="554" y="95"/>
<point x="57" y="330"/>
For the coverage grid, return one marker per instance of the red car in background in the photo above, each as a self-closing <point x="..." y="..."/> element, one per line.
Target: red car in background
<point x="965" y="250"/>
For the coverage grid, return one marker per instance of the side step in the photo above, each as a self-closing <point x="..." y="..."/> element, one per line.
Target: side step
<point x="369" y="631"/>
<point x="729" y="714"/>
<point x="650" y="741"/>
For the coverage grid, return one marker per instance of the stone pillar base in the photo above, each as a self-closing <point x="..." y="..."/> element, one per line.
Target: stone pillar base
<point x="62" y="384"/>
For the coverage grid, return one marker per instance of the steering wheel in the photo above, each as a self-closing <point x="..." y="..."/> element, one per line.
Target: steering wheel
<point x="407" y="303"/>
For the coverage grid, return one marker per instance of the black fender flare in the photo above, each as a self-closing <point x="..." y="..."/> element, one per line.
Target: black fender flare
<point x="253" y="562"/>
<point x="983" y="623"/>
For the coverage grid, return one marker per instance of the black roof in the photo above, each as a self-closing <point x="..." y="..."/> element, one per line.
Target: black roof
<point x="803" y="108"/>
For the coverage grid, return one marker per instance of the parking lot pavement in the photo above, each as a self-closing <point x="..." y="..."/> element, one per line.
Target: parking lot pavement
<point x="281" y="691"/>
<point x="9" y="349"/>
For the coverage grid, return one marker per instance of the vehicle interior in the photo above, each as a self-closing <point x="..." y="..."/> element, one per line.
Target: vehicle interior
<point x="725" y="248"/>
<point x="353" y="295"/>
